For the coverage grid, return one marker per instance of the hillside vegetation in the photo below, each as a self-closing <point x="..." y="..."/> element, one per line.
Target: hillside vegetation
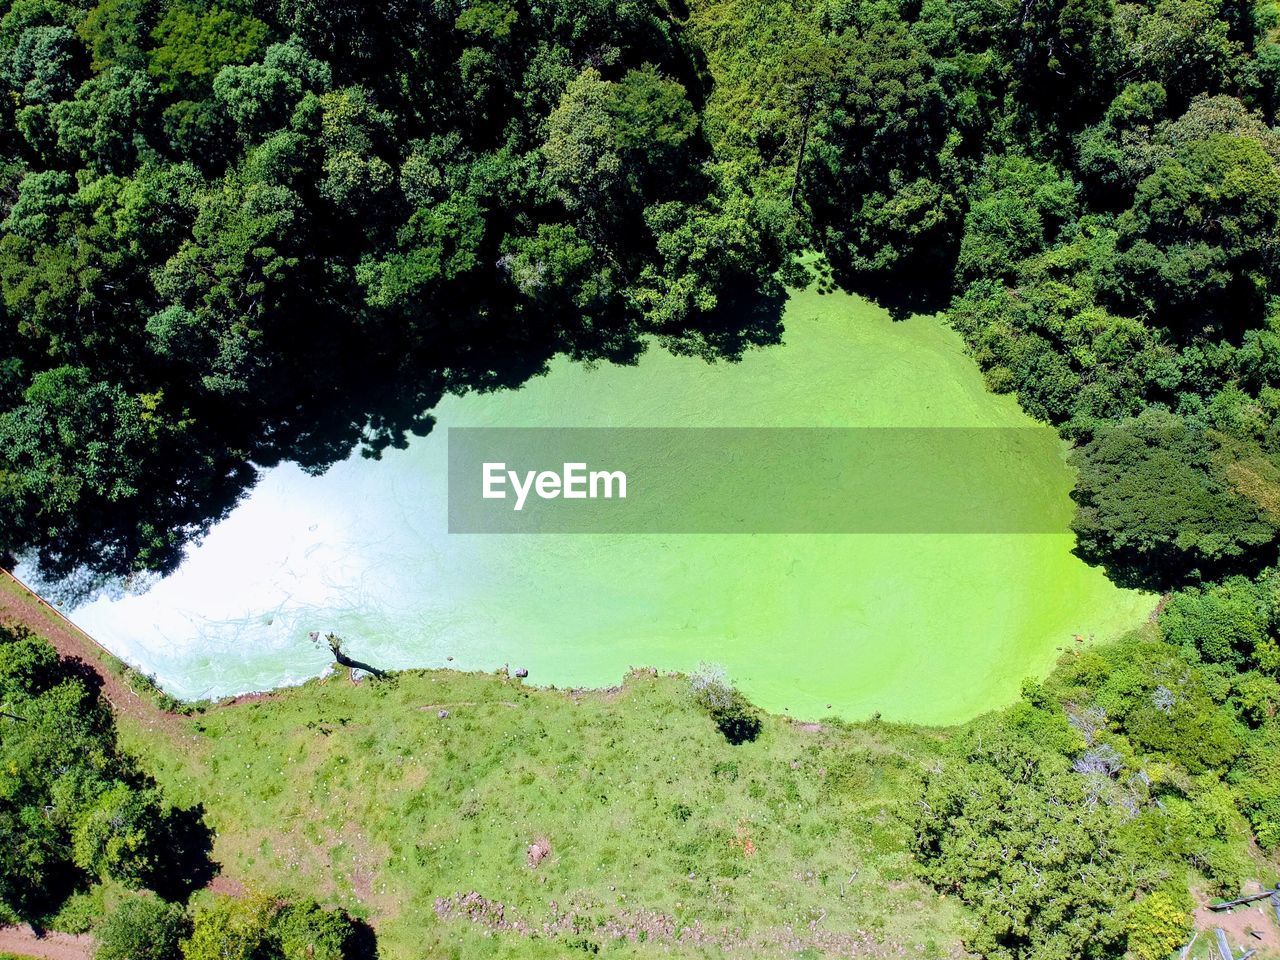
<point x="468" y="815"/>
<point x="648" y="823"/>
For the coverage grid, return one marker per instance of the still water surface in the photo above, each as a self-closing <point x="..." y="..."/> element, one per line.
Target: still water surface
<point x="930" y="628"/>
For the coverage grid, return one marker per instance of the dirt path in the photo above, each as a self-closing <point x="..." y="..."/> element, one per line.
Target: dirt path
<point x="20" y="606"/>
<point x="1247" y="926"/>
<point x="52" y="946"/>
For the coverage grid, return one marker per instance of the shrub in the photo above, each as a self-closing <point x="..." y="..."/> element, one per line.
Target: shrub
<point x="262" y="928"/>
<point x="1256" y="781"/>
<point x="231" y="929"/>
<point x="733" y="714"/>
<point x="142" y="928"/>
<point x="309" y="932"/>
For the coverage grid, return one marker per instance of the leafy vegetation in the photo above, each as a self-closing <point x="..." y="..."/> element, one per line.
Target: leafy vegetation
<point x="245" y="233"/>
<point x="88" y="836"/>
<point x="1075" y="820"/>
<point x="74" y="809"/>
<point x="728" y="708"/>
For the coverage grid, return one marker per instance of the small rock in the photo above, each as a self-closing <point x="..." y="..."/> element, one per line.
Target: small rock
<point x="537" y="852"/>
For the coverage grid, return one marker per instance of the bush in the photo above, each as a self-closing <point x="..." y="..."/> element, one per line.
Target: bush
<point x="1159" y="924"/>
<point x="733" y="714"/>
<point x="142" y="928"/>
<point x="1256" y="781"/>
<point x="231" y="929"/>
<point x="307" y="931"/>
<point x="262" y="928"/>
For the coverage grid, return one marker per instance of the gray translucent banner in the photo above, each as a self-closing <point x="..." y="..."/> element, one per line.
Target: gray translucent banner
<point x="757" y="480"/>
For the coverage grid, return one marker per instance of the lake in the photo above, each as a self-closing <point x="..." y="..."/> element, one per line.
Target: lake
<point x="923" y="627"/>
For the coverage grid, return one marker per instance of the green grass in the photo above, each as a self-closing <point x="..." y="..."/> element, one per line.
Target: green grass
<point x="364" y="797"/>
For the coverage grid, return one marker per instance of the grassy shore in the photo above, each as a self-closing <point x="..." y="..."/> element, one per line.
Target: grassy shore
<point x="414" y="802"/>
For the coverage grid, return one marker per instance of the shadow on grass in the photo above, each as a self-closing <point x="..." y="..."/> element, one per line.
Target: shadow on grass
<point x="188" y="863"/>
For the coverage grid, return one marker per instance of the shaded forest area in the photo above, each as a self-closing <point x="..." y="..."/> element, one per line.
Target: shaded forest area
<point x="244" y="233"/>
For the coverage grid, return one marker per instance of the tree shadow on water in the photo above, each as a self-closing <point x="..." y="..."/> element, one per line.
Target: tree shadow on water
<point x="363" y="391"/>
<point x="923" y="284"/>
<point x="739" y="324"/>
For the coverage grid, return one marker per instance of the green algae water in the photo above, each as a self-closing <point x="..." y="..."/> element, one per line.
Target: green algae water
<point x="928" y="627"/>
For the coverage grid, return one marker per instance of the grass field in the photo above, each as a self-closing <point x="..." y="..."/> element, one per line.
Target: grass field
<point x="365" y="796"/>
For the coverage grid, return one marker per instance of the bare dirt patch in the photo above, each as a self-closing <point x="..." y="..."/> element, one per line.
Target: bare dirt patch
<point x="1242" y="923"/>
<point x="538" y="851"/>
<point x="652" y="927"/>
<point x="25" y="942"/>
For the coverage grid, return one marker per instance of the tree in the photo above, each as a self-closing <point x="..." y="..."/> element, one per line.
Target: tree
<point x="1015" y="210"/>
<point x="73" y="807"/>
<point x="809" y="74"/>
<point x="306" y="931"/>
<point x="1233" y="623"/>
<point x="117" y="834"/>
<point x="1199" y="243"/>
<point x="45" y="65"/>
<point x="1008" y="828"/>
<point x="1185" y="45"/>
<point x="1116" y="153"/>
<point x="608" y="142"/>
<point x="73" y="461"/>
<point x="877" y="183"/>
<point x="1154" y="505"/>
<point x="193" y="44"/>
<point x="261" y="97"/>
<point x="108" y="125"/>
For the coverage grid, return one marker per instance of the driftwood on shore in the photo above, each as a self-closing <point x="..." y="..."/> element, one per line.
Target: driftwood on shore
<point x="335" y="647"/>
<point x="1249" y="898"/>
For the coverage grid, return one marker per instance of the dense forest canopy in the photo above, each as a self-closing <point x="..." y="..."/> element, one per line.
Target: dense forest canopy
<point x="239" y="233"/>
<point x="245" y="232"/>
